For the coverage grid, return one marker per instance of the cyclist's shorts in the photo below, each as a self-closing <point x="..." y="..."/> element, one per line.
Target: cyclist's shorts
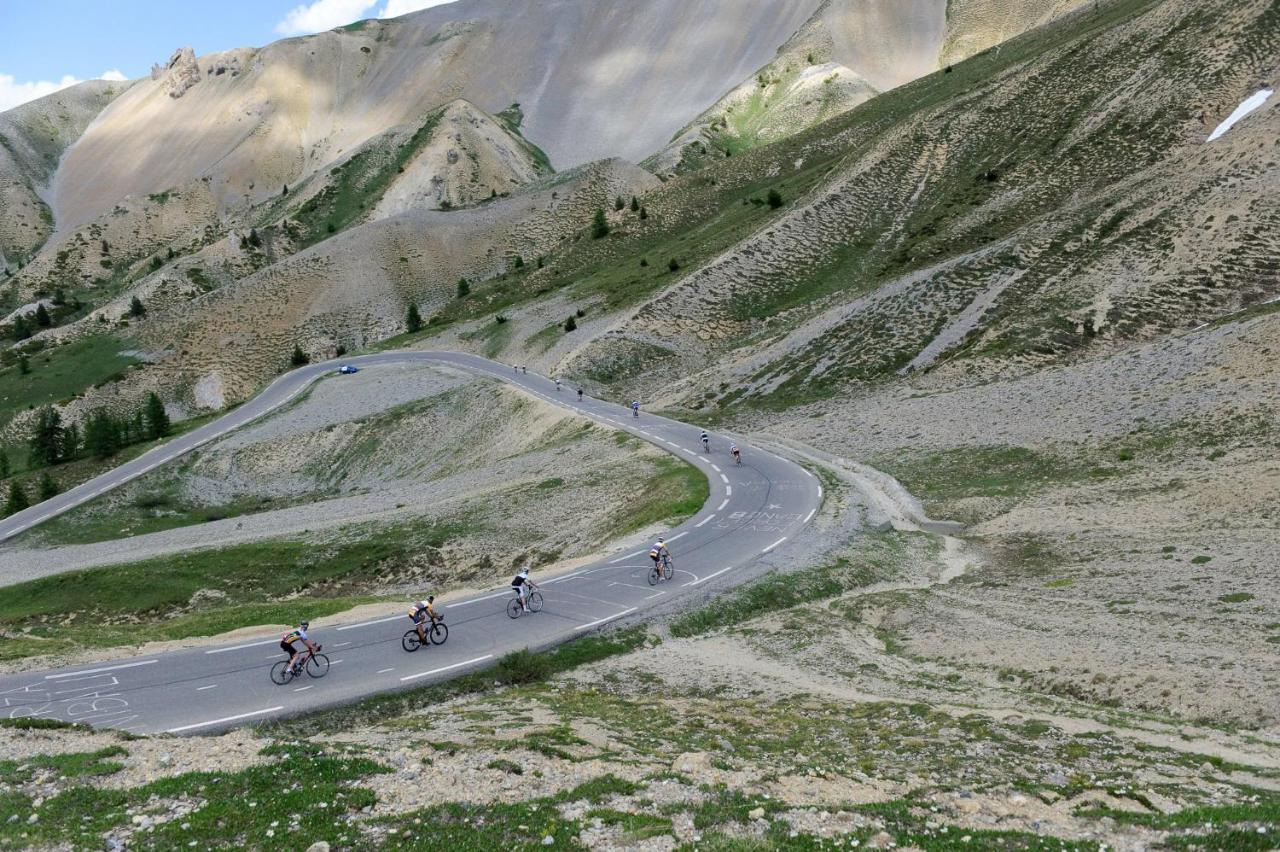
<point x="418" y="617"/>
<point x="653" y="554"/>
<point x="288" y="648"/>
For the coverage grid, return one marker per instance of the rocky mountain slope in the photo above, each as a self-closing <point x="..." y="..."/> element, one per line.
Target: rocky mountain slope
<point x="33" y="137"/>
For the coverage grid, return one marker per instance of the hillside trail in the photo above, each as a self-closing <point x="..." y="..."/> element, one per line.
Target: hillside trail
<point x="889" y="505"/>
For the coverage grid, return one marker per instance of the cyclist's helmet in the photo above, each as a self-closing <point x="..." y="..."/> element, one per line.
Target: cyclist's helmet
<point x="662" y="541"/>
<point x="431" y="598"/>
<point x="304" y="624"/>
<point x="524" y="572"/>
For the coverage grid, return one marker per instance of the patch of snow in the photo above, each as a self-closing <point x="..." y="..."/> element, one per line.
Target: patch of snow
<point x="1250" y="104"/>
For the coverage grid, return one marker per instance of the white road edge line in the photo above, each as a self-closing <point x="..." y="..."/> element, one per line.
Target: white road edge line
<point x="722" y="505"/>
<point x="724" y="479"/>
<point x="606" y="618"/>
<point x="624" y="558"/>
<point x="236" y="718"/>
<point x="809" y="516"/>
<point x="303" y="688"/>
<point x="368" y="623"/>
<point x="706" y="578"/>
<point x="704" y="521"/>
<point x="728" y="490"/>
<point x="775" y="544"/>
<point x="96" y="671"/>
<point x="447" y="668"/>
<point x="679" y="535"/>
<point x="242" y="647"/>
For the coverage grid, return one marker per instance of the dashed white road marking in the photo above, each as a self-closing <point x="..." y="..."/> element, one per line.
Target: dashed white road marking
<point x="384" y="671"/>
<point x="722" y="505"/>
<point x="223" y="720"/>
<point x="599" y="621"/>
<point x="724" y="479"/>
<point x="775" y="544"/>
<point x="447" y="668"/>
<point x="704" y="521"/>
<point x="628" y="556"/>
<point x="678" y="535"/>
<point x="203" y="688"/>
<point x="303" y="688"/>
<point x="809" y="516"/>
<point x="482" y="598"/>
<point x="97" y="671"/>
<point x="728" y="490"/>
<point x="715" y="467"/>
<point x="708" y="577"/>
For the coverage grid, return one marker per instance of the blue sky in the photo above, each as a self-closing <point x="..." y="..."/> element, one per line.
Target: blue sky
<point x="45" y="44"/>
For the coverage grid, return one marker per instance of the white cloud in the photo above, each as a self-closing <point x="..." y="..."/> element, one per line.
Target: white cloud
<point x="322" y="15"/>
<point x="396" y="8"/>
<point x="13" y="93"/>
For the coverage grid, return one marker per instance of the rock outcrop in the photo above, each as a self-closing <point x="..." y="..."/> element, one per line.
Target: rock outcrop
<point x="180" y="73"/>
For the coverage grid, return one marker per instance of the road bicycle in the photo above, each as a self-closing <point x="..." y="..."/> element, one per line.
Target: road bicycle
<point x="661" y="571"/>
<point x="437" y="634"/>
<point x="514" y="610"/>
<point x="706" y="445"/>
<point x="313" y="663"/>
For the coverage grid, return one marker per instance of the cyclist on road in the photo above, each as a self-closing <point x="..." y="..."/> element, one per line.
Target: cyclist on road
<point x="706" y="441"/>
<point x="420" y="612"/>
<point x="658" y="551"/>
<point x="298" y="634"/>
<point x="737" y="453"/>
<point x="635" y="408"/>
<point x="557" y="386"/>
<point x="522" y="584"/>
<point x="579" y="394"/>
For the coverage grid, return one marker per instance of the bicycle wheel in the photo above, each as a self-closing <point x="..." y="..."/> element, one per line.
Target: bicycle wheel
<point x="653" y="576"/>
<point x="281" y="673"/>
<point x="439" y="633"/>
<point x="667" y="568"/>
<point x="411" y="642"/>
<point x="535" y="602"/>
<point x="513" y="608"/>
<point x="318" y="665"/>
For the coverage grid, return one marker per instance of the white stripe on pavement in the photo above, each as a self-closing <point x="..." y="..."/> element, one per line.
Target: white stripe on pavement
<point x="96" y="671"/>
<point x="203" y="688"/>
<point x="809" y="516"/>
<point x="224" y="719"/>
<point x="242" y="647"/>
<point x="704" y="521"/>
<point x="606" y="618"/>
<point x="628" y="556"/>
<point x="722" y="505"/>
<point x="775" y="544"/>
<point x="708" y="577"/>
<point x="447" y="668"/>
<point x="370" y="623"/>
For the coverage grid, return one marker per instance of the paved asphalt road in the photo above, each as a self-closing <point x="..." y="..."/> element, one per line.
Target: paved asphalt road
<point x="753" y="508"/>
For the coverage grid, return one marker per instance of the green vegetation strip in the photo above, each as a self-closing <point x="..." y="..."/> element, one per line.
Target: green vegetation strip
<point x="780" y="591"/>
<point x="516" y="668"/>
<point x="58" y="374"/>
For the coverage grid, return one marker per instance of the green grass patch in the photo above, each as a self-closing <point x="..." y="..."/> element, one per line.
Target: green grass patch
<point x="241" y="586"/>
<point x="61" y="373"/>
<point x="675" y="492"/>
<point x="71" y="765"/>
<point x="304" y="795"/>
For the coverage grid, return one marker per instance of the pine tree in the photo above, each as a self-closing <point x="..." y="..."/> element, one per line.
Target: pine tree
<point x="48" y="488"/>
<point x="298" y="358"/>
<point x="21" y="330"/>
<point x="674" y="265"/>
<point x="101" y="435"/>
<point x="4" y="464"/>
<point x="775" y="199"/>
<point x="413" y="319"/>
<point x="70" y="441"/>
<point x="599" y="225"/>
<point x="644" y="213"/>
<point x="157" y="418"/>
<point x="136" y="308"/>
<point x="24" y="364"/>
<point x="254" y="239"/>
<point x="571" y="324"/>
<point x="17" y="499"/>
<point x="464" y="288"/>
<point x="635" y="204"/>
<point x="46" y="437"/>
<point x="42" y="316"/>
<point x="619" y="204"/>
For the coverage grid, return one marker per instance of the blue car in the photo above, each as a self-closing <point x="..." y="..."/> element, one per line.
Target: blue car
<point x="348" y="369"/>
